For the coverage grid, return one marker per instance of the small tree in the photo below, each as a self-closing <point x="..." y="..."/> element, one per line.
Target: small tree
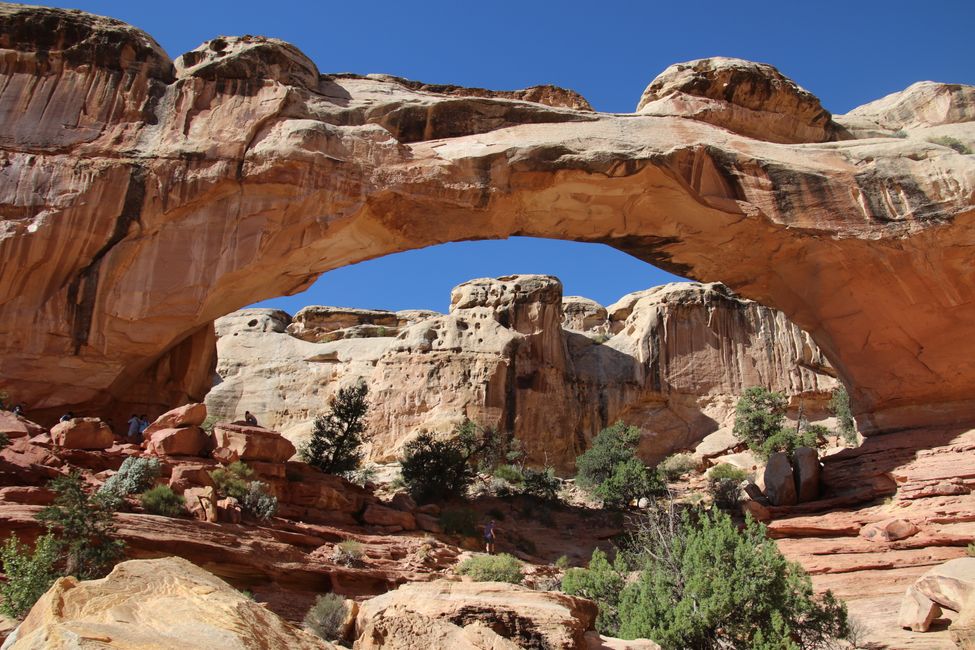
<point x="337" y="437"/>
<point x="435" y="469"/>
<point x="29" y="574"/>
<point x="253" y="497"/>
<point x="839" y="406"/>
<point x="724" y="484"/>
<point x="84" y="527"/>
<point x="759" y="415"/>
<point x="610" y="470"/>
<point x="602" y="582"/>
<point x="705" y="584"/>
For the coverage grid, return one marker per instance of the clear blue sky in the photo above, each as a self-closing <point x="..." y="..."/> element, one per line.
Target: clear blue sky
<point x="847" y="53"/>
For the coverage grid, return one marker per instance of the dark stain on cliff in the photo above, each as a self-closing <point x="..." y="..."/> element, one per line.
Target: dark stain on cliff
<point x="83" y="290"/>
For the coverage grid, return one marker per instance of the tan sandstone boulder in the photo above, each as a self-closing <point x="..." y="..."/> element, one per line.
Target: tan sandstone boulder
<point x="155" y="605"/>
<point x="16" y="426"/>
<point x="382" y="516"/>
<point x="521" y="615"/>
<point x="184" y="441"/>
<point x="246" y="443"/>
<point x="181" y="416"/>
<point x="951" y="586"/>
<point x="82" y="433"/>
<point x="805" y="463"/>
<point x="888" y="530"/>
<point x="780" y="483"/>
<point x="917" y="611"/>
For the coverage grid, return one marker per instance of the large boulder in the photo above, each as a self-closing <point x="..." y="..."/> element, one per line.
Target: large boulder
<point x="409" y="631"/>
<point x="164" y="603"/>
<point x="82" y="433"/>
<point x="184" y="441"/>
<point x="382" y="516"/>
<point x="246" y="443"/>
<point x="16" y="426"/>
<point x="951" y="586"/>
<point x="780" y="482"/>
<point x="805" y="463"/>
<point x="181" y="416"/>
<point x="889" y="530"/>
<point x="526" y="617"/>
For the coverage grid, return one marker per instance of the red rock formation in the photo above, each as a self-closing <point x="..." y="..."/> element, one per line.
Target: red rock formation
<point x="111" y="223"/>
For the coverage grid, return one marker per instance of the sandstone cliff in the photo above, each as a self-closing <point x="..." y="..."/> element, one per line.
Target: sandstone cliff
<point x="513" y="354"/>
<point x="141" y="198"/>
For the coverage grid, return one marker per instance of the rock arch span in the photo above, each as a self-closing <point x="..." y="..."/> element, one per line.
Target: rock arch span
<point x="141" y="198"/>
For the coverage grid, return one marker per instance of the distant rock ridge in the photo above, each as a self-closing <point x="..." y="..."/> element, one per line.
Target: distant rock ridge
<point x="513" y="354"/>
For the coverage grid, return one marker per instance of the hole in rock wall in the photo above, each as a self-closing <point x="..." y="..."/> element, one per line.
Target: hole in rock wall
<point x="551" y="340"/>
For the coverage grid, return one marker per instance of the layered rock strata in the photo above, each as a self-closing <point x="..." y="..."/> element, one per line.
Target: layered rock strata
<point x="671" y="360"/>
<point x="141" y="198"/>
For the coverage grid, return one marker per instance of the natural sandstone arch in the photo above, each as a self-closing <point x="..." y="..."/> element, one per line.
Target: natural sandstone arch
<point x="141" y="199"/>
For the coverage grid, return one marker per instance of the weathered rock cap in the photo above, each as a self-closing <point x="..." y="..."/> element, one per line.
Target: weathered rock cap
<point x="161" y="603"/>
<point x="925" y="103"/>
<point x="249" y="58"/>
<point x="753" y="99"/>
<point x="556" y="620"/>
<point x="82" y="433"/>
<point x="82" y="39"/>
<point x="241" y="442"/>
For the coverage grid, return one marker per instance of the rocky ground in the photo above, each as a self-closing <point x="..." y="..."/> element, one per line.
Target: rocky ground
<point x="906" y="508"/>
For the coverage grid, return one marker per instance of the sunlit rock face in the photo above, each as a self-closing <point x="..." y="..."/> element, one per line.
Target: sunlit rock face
<point x="672" y="360"/>
<point x="141" y="198"/>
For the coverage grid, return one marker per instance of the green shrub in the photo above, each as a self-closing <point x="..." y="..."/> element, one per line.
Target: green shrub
<point x="610" y="470"/>
<point x="84" y="527"/>
<point x="839" y="406"/>
<point x="258" y="503"/>
<point x="953" y="143"/>
<point x="326" y="616"/>
<point x="136" y="475"/>
<point x="970" y="549"/>
<point x="348" y="553"/>
<point x="724" y="484"/>
<point x="459" y="521"/>
<point x="541" y="484"/>
<point x="759" y="420"/>
<point x="631" y="480"/>
<point x="336" y="440"/>
<point x="363" y="475"/>
<point x="602" y="582"/>
<point x="563" y="562"/>
<point x="209" y="423"/>
<point x="492" y="568"/>
<point x="610" y="447"/>
<point x="29" y="574"/>
<point x="705" y="584"/>
<point x="509" y="473"/>
<point x="161" y="500"/>
<point x="759" y="415"/>
<point x="675" y="466"/>
<point x="4" y="440"/>
<point x="232" y="480"/>
<point x="435" y="469"/>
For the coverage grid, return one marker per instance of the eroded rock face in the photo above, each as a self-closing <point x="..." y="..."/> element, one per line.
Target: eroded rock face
<point x="241" y="174"/>
<point x="155" y="604"/>
<point x="671" y="360"/>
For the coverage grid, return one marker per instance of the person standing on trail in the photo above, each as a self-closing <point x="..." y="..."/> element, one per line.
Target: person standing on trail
<point x="490" y="536"/>
<point x="134" y="425"/>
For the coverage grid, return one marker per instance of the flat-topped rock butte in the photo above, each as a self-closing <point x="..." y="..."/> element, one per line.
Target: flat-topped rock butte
<point x="141" y="198"/>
